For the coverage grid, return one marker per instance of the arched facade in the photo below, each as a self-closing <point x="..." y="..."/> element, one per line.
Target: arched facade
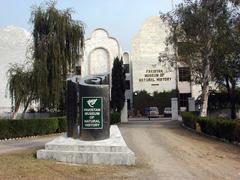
<point x="99" y="53"/>
<point x="100" y="56"/>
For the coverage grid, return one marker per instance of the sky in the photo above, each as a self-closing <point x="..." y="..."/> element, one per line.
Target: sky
<point x="121" y="18"/>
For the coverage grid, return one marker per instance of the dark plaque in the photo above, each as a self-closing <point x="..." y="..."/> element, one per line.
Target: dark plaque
<point x="92" y="113"/>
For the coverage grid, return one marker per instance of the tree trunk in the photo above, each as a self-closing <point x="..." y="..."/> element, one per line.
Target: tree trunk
<point x="27" y="104"/>
<point x="233" y="107"/>
<point x="231" y="96"/>
<point x="14" y="115"/>
<point x="233" y="101"/>
<point x="206" y="78"/>
<point x="205" y="88"/>
<point x="205" y="91"/>
<point x="16" y="108"/>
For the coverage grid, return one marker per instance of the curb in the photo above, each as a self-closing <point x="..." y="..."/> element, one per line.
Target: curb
<point x="29" y="137"/>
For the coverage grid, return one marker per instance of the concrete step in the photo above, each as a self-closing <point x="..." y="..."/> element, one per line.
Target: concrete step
<point x="86" y="148"/>
<point x="107" y="158"/>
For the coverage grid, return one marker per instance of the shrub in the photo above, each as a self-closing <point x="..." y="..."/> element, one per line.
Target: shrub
<point x="115" y="118"/>
<point x="225" y="129"/>
<point x="4" y="129"/>
<point x="210" y="126"/>
<point x="189" y="120"/>
<point x="31" y="127"/>
<point x="218" y="127"/>
<point x="62" y="124"/>
<point x="237" y="132"/>
<point x="47" y="126"/>
<point x="203" y="124"/>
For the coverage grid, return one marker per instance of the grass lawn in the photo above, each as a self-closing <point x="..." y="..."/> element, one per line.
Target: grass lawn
<point x="24" y="165"/>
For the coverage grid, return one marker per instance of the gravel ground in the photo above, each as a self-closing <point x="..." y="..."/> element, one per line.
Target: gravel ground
<point x="164" y="150"/>
<point x="172" y="152"/>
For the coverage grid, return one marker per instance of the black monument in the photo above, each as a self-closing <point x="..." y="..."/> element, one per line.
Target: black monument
<point x="88" y="107"/>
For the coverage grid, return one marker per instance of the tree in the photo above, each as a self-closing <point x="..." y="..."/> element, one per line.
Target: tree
<point x="193" y="31"/>
<point x="20" y="84"/>
<point x="227" y="70"/>
<point x="57" y="45"/>
<point x="118" y="85"/>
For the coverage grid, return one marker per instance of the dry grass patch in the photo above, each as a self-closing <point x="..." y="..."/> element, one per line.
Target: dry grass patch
<point x="24" y="165"/>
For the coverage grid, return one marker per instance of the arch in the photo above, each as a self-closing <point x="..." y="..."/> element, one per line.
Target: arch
<point x="104" y="33"/>
<point x="98" y="61"/>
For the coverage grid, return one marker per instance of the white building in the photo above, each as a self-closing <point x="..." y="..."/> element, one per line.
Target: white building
<point x="13" y="48"/>
<point x="151" y="75"/>
<point x="147" y="44"/>
<point x="145" y="72"/>
<point x="99" y="53"/>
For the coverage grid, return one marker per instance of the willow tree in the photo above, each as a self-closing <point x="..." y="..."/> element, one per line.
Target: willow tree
<point x="58" y="41"/>
<point x="20" y="84"/>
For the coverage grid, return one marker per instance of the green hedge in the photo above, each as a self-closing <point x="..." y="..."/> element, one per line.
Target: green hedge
<point x="62" y="124"/>
<point x="115" y="118"/>
<point x="218" y="127"/>
<point x="31" y="127"/>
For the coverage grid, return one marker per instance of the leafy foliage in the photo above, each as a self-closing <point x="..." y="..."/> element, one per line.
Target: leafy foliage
<point x="195" y="29"/>
<point x="218" y="127"/>
<point x="220" y="100"/>
<point x="20" y="84"/>
<point x="143" y="99"/>
<point x="31" y="127"/>
<point x="227" y="43"/>
<point x="58" y="42"/>
<point x="115" y="118"/>
<point x="118" y="85"/>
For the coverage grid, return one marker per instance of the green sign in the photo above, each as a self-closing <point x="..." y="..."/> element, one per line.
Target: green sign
<point x="92" y="113"/>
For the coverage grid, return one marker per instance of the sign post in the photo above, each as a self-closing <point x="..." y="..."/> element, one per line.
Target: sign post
<point x="92" y="113"/>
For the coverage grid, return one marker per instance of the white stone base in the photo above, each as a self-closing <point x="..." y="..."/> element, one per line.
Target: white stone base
<point x="112" y="151"/>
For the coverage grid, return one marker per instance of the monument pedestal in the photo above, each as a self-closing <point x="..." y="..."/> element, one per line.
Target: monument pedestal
<point x="112" y="151"/>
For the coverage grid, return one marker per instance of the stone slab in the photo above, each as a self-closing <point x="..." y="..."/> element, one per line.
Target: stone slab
<point x="112" y="151"/>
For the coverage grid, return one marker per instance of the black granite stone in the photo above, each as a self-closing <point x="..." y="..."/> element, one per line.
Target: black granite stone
<point x="92" y="87"/>
<point x="71" y="104"/>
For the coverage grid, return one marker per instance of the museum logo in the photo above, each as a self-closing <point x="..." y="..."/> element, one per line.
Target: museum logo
<point x="92" y="102"/>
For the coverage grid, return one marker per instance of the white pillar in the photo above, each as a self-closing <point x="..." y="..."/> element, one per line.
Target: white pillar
<point x="124" y="113"/>
<point x="191" y="104"/>
<point x="174" y="104"/>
